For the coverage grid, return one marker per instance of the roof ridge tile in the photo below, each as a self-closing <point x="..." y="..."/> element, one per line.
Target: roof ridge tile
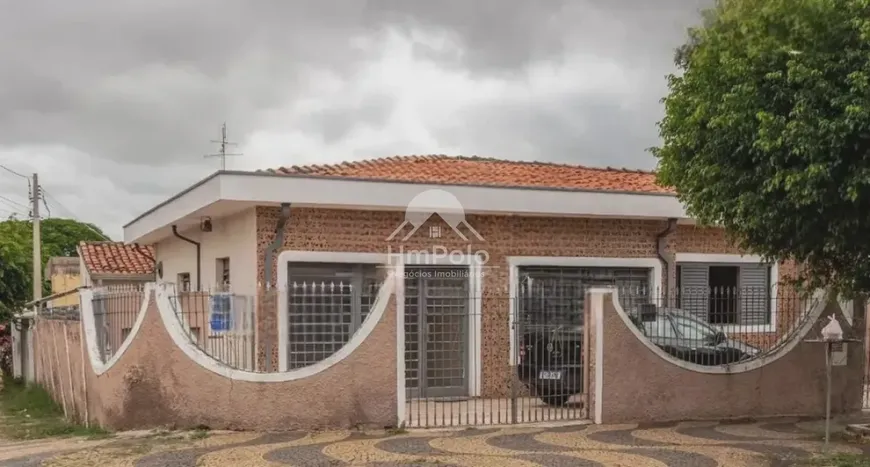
<point x="478" y="170"/>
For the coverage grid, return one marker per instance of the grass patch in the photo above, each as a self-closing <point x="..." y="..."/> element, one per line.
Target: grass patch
<point x="30" y="413"/>
<point x="839" y="460"/>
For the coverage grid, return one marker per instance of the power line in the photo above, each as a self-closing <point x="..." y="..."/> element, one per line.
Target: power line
<point x="14" y="172"/>
<point x="10" y="214"/>
<point x="13" y="203"/>
<point x="47" y="195"/>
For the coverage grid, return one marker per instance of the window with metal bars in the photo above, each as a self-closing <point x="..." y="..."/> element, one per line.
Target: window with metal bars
<point x="327" y="304"/>
<point x="731" y="294"/>
<point x="222" y="273"/>
<point x="184" y="282"/>
<point x="556" y="295"/>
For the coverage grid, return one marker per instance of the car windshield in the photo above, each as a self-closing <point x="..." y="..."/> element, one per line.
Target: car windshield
<point x="661" y="327"/>
<point x="692" y="329"/>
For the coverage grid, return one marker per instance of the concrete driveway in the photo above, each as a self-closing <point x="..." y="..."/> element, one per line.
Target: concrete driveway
<point x="695" y="444"/>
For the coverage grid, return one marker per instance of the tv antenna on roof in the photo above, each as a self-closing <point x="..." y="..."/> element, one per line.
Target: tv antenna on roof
<point x="222" y="153"/>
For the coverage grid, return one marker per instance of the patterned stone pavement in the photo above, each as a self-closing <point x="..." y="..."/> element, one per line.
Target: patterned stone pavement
<point x="692" y="444"/>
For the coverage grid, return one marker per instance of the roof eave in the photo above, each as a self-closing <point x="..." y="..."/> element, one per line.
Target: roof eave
<point x="252" y="188"/>
<point x="121" y="276"/>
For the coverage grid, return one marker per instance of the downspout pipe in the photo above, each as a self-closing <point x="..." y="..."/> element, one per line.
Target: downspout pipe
<point x="269" y="257"/>
<point x="661" y="244"/>
<point x="198" y="256"/>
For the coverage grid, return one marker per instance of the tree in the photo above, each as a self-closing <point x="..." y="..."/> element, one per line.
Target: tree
<point x="767" y="133"/>
<point x="59" y="238"/>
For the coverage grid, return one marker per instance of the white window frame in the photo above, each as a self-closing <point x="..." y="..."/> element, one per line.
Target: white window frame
<point x="516" y="262"/>
<point x="715" y="259"/>
<point x="293" y="256"/>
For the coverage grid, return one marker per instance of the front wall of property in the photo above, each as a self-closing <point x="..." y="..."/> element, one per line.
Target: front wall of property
<point x="155" y="384"/>
<point x="334" y="230"/>
<point x="367" y="231"/>
<point x="793" y="384"/>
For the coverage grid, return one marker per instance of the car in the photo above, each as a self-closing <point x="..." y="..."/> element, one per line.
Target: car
<point x="550" y="361"/>
<point x="550" y="356"/>
<point x="685" y="337"/>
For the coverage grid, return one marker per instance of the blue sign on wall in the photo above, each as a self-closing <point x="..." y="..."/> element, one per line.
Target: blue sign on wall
<point x="221" y="316"/>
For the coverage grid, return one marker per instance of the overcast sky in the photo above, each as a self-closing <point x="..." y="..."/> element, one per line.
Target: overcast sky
<point x="114" y="103"/>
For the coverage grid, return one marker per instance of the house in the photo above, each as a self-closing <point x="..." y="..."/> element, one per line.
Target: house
<point x="119" y="272"/>
<point x="504" y="230"/>
<point x="64" y="274"/>
<point x="115" y="263"/>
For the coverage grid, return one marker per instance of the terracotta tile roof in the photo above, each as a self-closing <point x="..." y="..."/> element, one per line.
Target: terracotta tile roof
<point x="460" y="170"/>
<point x="116" y="258"/>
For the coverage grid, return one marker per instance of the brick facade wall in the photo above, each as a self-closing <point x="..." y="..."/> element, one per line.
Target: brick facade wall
<point x="367" y="231"/>
<point x="335" y="230"/>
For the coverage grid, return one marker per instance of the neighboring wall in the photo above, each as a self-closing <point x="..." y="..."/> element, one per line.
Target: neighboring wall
<point x="58" y="358"/>
<point x="64" y="283"/>
<point x="64" y="274"/>
<point x="233" y="236"/>
<point x="85" y="275"/>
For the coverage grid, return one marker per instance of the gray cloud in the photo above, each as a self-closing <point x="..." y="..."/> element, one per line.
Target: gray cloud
<point x="132" y="92"/>
<point x="337" y="122"/>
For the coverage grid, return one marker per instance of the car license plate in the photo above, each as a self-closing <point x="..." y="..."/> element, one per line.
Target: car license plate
<point x="550" y="375"/>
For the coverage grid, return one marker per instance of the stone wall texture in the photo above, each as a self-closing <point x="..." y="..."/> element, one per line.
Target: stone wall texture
<point x="337" y="230"/>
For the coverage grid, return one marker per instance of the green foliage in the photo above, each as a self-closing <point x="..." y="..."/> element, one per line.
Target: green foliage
<point x="767" y="132"/>
<point x="59" y="238"/>
<point x="29" y="412"/>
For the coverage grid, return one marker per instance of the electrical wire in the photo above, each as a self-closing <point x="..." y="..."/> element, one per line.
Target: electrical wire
<point x="13" y="172"/>
<point x="13" y="203"/>
<point x="9" y="214"/>
<point x="47" y="196"/>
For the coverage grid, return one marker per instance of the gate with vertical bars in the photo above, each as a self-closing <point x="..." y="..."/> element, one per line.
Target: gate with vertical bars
<point x="444" y="372"/>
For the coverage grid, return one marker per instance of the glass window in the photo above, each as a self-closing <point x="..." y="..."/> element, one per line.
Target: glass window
<point x="692" y="329"/>
<point x="661" y="328"/>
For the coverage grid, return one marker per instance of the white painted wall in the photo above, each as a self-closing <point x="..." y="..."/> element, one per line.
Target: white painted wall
<point x="232" y="236"/>
<point x="83" y="270"/>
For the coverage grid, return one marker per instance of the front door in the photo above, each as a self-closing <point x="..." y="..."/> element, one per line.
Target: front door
<point x="436" y="332"/>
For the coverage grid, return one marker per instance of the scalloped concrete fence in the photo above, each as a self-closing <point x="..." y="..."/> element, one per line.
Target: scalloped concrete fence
<point x="159" y="378"/>
<point x="635" y="381"/>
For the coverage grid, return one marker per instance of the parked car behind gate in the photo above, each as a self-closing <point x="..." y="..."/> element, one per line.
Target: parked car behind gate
<point x="687" y="338"/>
<point x="550" y="360"/>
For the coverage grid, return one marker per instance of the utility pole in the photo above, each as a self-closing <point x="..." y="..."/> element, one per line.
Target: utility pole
<point x="36" y="193"/>
<point x="25" y="336"/>
<point x="222" y="153"/>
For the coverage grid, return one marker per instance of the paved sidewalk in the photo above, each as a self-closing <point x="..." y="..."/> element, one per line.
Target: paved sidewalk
<point x="772" y="442"/>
